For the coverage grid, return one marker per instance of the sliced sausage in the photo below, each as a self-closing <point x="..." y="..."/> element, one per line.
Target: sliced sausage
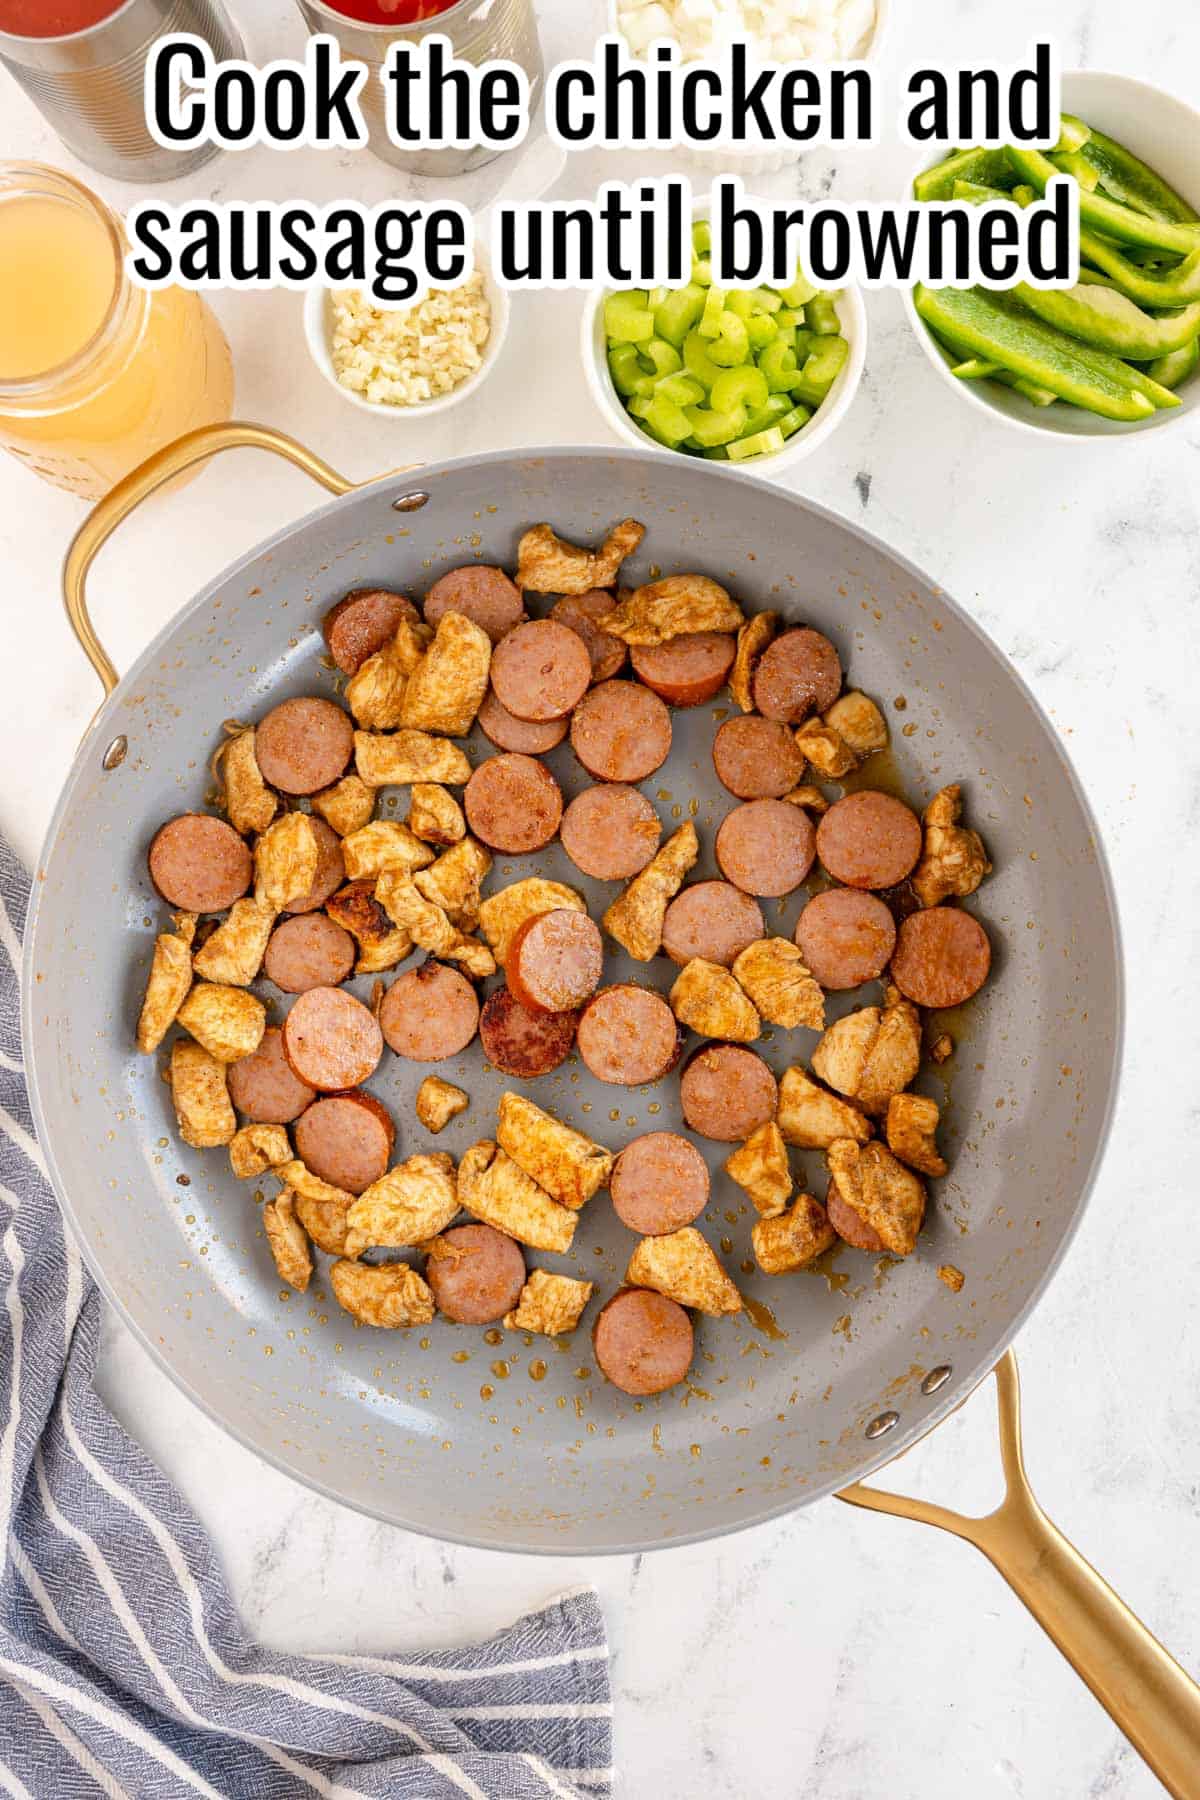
<point x="200" y="864"/>
<point x="331" y="1040"/>
<point x="331" y="869"/>
<point x="757" y="759"/>
<point x="541" y="670"/>
<point x="555" y="961"/>
<point x="579" y="613"/>
<point x="620" y="731"/>
<point x="513" y="803"/>
<point x="686" y="671"/>
<point x="846" y="937"/>
<point x="628" y="1036"/>
<point x="798" y="674"/>
<point x="766" y="847"/>
<point x="846" y="1222"/>
<point x="659" y="1183"/>
<point x="530" y="736"/>
<point x="869" y="840"/>
<point x="346" y="1139"/>
<point x="480" y="593"/>
<point x="304" y="745"/>
<point x="727" y="1092"/>
<point x="363" y="623"/>
<point x="429" y="1013"/>
<point x="476" y="1274"/>
<point x="521" y="1043"/>
<point x="308" y="952"/>
<point x="263" y="1087"/>
<point x="943" y="956"/>
<point x="610" y="832"/>
<point x="711" y="919"/>
<point x="643" y="1342"/>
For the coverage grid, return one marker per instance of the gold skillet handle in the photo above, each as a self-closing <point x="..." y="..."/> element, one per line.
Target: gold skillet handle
<point x="1153" y="1701"/>
<point x="174" y="459"/>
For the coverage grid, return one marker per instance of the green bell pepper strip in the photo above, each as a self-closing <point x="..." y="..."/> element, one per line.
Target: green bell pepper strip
<point x="1173" y="370"/>
<point x="763" y="443"/>
<point x="663" y="355"/>
<point x="952" y="355"/>
<point x="1075" y="164"/>
<point x="1126" y="178"/>
<point x="1108" y="216"/>
<point x="732" y="345"/>
<point x="1156" y="289"/>
<point x="1073" y="134"/>
<point x="627" y="318"/>
<point x="698" y="362"/>
<point x="976" y="368"/>
<point x="1109" y="320"/>
<point x="677" y="314"/>
<point x="762" y="330"/>
<point x="1035" y="351"/>
<point x="821" y="314"/>
<point x="991" y="167"/>
<point x="746" y="386"/>
<point x="711" y="428"/>
<point x="629" y="378"/>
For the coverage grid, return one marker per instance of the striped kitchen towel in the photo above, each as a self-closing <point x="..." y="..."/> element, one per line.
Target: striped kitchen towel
<point x="124" y="1669"/>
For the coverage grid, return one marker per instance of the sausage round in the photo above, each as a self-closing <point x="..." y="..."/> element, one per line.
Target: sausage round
<point x="714" y="920"/>
<point x="757" y="759"/>
<point x="620" y="731"/>
<point x="727" y="1092"/>
<point x="798" y="674"/>
<point x="643" y="1342"/>
<point x="199" y="864"/>
<point x="628" y="1036"/>
<point x="363" y="623"/>
<point x="869" y="840"/>
<point x="555" y="961"/>
<point x="476" y="1274"/>
<point x="513" y="803"/>
<point x="686" y="671"/>
<point x="308" y="952"/>
<point x="541" y="670"/>
<point x="304" y="745"/>
<point x="331" y="1040"/>
<point x="846" y="1222"/>
<point x="429" y="1013"/>
<point x="521" y="1043"/>
<point x="346" y="1139"/>
<point x="610" y="832"/>
<point x="846" y="937"/>
<point x="942" y="957"/>
<point x="579" y="613"/>
<point x="331" y="869"/>
<point x="263" y="1086"/>
<point x="480" y="593"/>
<point x="766" y="847"/>
<point x="659" y="1183"/>
<point x="530" y="736"/>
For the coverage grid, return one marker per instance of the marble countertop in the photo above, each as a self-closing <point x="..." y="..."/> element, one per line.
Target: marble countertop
<point x="832" y="1654"/>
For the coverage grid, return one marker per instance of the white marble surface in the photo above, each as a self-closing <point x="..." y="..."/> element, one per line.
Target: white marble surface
<point x="835" y="1655"/>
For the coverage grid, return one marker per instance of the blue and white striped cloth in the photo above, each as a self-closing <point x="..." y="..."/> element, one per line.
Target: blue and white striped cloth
<point x="124" y="1669"/>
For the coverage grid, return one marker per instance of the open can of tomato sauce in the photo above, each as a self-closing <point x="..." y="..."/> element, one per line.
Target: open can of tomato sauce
<point x="82" y="64"/>
<point x="479" y="31"/>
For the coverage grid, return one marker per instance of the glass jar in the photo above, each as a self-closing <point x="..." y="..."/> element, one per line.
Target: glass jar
<point x="95" y="374"/>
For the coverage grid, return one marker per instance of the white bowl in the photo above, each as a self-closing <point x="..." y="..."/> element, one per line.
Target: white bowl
<point x="824" y="422"/>
<point x="318" y="332"/>
<point x="1164" y="132"/>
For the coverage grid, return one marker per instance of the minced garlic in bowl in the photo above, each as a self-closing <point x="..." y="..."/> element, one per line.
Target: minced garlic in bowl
<point x="408" y="356"/>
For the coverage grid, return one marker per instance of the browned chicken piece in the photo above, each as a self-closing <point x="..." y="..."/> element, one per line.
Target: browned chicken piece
<point x="827" y="752"/>
<point x="390" y="1296"/>
<point x="346" y="806"/>
<point x="871" y="1054"/>
<point x="286" y="859"/>
<point x="383" y="844"/>
<point x="812" y="1118"/>
<point x="307" y="1186"/>
<point x="429" y="926"/>
<point x="789" y="1240"/>
<point x="912" y="1122"/>
<point x="953" y="861"/>
<point x="249" y="803"/>
<point x="636" y="919"/>
<point x="289" y="1245"/>
<point x="438" y="1102"/>
<point x="398" y="758"/>
<point x="168" y="983"/>
<point x="942" y="1048"/>
<point x="772" y="973"/>
<point x="203" y="1109"/>
<point x="407" y="1206"/>
<point x="568" y="1165"/>
<point x="809" y="797"/>
<point x="444" y="691"/>
<point x="707" y="999"/>
<point x="434" y="815"/>
<point x="228" y="1021"/>
<point x="953" y="1278"/>
<point x="760" y="1167"/>
<point x="257" y="1148"/>
<point x="859" y="723"/>
<point x="551" y="1304"/>
<point x="885" y="1196"/>
<point x="375" y="695"/>
<point x="547" y="564"/>
<point x="454" y="881"/>
<point x="325" y="1221"/>
<point x="753" y="638"/>
<point x="233" y="954"/>
<point x="381" y="944"/>
<point x="496" y="1191"/>
<point x="676" y="606"/>
<point x="683" y="1266"/>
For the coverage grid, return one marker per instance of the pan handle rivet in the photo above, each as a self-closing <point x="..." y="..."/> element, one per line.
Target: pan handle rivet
<point x="410" y="502"/>
<point x="883" y="1424"/>
<point x="936" y="1378"/>
<point x="116" y="753"/>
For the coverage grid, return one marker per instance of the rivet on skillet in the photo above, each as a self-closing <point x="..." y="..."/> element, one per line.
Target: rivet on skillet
<point x="882" y="1425"/>
<point x="116" y="753"/>
<point x="410" y="502"/>
<point x="936" y="1378"/>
